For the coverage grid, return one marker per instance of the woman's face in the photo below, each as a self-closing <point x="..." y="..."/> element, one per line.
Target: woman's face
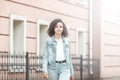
<point x="58" y="28"/>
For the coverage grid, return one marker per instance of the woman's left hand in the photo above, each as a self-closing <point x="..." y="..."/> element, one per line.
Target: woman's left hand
<point x="71" y="77"/>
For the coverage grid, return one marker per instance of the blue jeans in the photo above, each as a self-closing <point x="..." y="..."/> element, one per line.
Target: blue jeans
<point x="60" y="72"/>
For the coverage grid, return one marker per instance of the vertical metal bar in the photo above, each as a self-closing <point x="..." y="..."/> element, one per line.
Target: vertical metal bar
<point x="27" y="66"/>
<point x="7" y="67"/>
<point x="81" y="67"/>
<point x="2" y="68"/>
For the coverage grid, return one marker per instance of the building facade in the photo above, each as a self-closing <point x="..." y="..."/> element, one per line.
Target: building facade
<point x="93" y="30"/>
<point x="106" y="38"/>
<point x="23" y="25"/>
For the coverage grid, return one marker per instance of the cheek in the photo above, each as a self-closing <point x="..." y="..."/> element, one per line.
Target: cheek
<point x="55" y="30"/>
<point x="62" y="29"/>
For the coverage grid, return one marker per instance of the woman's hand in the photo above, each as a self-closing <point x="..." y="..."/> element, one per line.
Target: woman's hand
<point x="71" y="77"/>
<point x="45" y="75"/>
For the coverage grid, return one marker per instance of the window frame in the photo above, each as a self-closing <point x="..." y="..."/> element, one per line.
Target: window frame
<point x="20" y="18"/>
<point x="83" y="30"/>
<point x="15" y="17"/>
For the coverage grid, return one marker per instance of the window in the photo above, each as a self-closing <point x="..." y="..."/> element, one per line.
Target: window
<point x="17" y="34"/>
<point x="17" y="41"/>
<point x="42" y="27"/>
<point x="81" y="42"/>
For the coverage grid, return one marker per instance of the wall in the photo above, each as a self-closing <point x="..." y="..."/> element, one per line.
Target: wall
<point x="106" y="39"/>
<point x="74" y="15"/>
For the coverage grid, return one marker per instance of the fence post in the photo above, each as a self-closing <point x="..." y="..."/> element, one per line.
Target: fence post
<point x="81" y="67"/>
<point x="27" y="66"/>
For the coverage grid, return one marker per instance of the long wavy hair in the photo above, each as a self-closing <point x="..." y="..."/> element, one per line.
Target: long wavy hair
<point x="52" y="26"/>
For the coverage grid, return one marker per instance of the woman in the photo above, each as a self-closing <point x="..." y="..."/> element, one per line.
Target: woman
<point x="57" y="63"/>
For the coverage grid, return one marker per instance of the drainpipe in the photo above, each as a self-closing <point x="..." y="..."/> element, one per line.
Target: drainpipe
<point x="90" y="36"/>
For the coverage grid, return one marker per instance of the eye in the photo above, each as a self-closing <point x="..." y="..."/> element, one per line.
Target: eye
<point x="61" y="26"/>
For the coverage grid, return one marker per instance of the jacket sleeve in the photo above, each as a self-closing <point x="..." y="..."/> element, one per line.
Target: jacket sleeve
<point x="71" y="65"/>
<point x="45" y="58"/>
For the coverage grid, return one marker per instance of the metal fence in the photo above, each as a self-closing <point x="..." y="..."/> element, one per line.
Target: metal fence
<point x="28" y="67"/>
<point x="82" y="68"/>
<point x="20" y="67"/>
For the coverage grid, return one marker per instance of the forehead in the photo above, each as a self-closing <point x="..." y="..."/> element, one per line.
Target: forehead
<point x="59" y="24"/>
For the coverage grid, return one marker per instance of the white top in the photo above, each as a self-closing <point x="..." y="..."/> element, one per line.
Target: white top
<point x="60" y="51"/>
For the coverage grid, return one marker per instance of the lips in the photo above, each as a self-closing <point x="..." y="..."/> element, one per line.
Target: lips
<point x="59" y="31"/>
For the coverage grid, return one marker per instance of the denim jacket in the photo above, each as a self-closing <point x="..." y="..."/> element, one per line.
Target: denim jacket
<point x="49" y="54"/>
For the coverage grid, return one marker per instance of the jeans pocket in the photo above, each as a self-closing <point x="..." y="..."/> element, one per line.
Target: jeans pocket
<point x="51" y="67"/>
<point x="66" y="67"/>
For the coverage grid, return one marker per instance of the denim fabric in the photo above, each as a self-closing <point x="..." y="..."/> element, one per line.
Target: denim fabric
<point x="60" y="72"/>
<point x="49" y="55"/>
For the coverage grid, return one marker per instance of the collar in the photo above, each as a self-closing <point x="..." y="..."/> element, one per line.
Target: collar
<point x="53" y="39"/>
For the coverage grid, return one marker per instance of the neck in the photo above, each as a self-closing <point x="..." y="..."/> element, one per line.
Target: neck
<point x="58" y="36"/>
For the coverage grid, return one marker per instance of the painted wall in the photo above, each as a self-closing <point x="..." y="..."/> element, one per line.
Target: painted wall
<point x="106" y="38"/>
<point x="73" y="14"/>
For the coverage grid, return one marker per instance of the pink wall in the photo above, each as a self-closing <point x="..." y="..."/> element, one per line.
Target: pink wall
<point x="74" y="15"/>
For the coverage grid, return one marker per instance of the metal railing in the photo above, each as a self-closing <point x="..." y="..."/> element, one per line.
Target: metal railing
<point x="28" y="67"/>
<point x="20" y="67"/>
<point x="82" y="68"/>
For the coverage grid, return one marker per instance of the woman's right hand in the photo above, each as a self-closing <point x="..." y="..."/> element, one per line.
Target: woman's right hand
<point x="45" y="75"/>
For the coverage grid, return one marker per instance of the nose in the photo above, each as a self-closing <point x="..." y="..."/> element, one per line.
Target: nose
<point x="58" y="27"/>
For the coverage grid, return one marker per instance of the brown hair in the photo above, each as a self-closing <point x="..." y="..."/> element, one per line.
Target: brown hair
<point x="52" y="25"/>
